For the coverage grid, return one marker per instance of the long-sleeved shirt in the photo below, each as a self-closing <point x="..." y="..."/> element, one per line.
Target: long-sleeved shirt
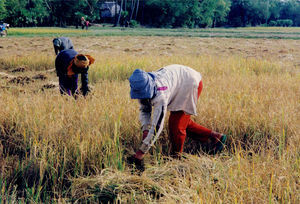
<point x="177" y="90"/>
<point x="62" y="62"/>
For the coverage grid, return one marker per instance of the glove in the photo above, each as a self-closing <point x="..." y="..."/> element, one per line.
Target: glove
<point x="145" y="133"/>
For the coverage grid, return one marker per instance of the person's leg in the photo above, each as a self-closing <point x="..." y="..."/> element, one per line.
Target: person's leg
<point x="74" y="84"/>
<point x="178" y="123"/>
<point x="200" y="133"/>
<point x="200" y="87"/>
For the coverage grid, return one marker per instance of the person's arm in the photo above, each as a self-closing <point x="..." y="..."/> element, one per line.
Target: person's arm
<point x="160" y="110"/>
<point x="55" y="50"/>
<point x="70" y="44"/>
<point x="58" y="66"/>
<point x="145" y="113"/>
<point x="159" y="114"/>
<point x="84" y="82"/>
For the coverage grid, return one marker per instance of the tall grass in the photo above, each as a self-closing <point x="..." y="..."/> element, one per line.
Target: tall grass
<point x="56" y="148"/>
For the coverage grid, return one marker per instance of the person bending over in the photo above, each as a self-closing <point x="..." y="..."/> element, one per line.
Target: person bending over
<point x="69" y="64"/>
<point x="62" y="43"/>
<point x="175" y="88"/>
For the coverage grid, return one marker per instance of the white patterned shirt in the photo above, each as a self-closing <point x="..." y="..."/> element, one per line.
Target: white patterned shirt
<point x="177" y="90"/>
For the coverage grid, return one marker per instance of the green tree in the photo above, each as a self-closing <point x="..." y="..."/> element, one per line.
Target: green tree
<point x="34" y="12"/>
<point x="187" y="13"/>
<point x="291" y="10"/>
<point x="25" y="13"/>
<point x="260" y="11"/>
<point x="274" y="10"/>
<point x="213" y="12"/>
<point x="2" y="10"/>
<point x="221" y="12"/>
<point x="90" y="9"/>
<point x="171" y="13"/>
<point x="256" y="12"/>
<point x="63" y="13"/>
<point x="158" y="13"/>
<point x="14" y="12"/>
<point x="239" y="10"/>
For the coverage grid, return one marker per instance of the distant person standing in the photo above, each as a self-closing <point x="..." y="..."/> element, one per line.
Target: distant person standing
<point x="87" y="24"/>
<point x="62" y="43"/>
<point x="69" y="64"/>
<point x="83" y="22"/>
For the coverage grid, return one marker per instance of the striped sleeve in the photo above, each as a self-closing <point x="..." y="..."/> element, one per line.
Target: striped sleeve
<point x="157" y="124"/>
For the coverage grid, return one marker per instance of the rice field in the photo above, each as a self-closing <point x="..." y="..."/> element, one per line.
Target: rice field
<point x="107" y="30"/>
<point x="31" y="31"/>
<point x="57" y="149"/>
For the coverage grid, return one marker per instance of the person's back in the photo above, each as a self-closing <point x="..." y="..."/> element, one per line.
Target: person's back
<point x="179" y="86"/>
<point x="62" y="43"/>
<point x="63" y="60"/>
<point x="68" y="65"/>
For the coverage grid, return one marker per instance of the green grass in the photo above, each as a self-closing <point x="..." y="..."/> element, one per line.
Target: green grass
<point x="249" y="32"/>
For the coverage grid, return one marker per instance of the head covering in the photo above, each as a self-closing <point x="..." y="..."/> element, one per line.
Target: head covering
<point x="142" y="85"/>
<point x="57" y="42"/>
<point x="80" y="61"/>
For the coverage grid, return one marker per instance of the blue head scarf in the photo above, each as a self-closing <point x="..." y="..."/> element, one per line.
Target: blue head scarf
<point x="142" y="85"/>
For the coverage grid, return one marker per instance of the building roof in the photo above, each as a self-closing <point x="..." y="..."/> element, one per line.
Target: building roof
<point x="109" y="9"/>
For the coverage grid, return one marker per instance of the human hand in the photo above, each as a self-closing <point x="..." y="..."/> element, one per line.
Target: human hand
<point x="85" y="91"/>
<point x="139" y="155"/>
<point x="136" y="163"/>
<point x="145" y="133"/>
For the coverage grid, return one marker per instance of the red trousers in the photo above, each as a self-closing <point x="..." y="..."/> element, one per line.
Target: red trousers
<point x="180" y="124"/>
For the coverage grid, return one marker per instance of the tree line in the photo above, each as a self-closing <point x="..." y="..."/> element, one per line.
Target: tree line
<point x="153" y="13"/>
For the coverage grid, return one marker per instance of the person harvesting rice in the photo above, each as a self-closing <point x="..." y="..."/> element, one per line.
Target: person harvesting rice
<point x="62" y="43"/>
<point x="69" y="64"/>
<point x="175" y="88"/>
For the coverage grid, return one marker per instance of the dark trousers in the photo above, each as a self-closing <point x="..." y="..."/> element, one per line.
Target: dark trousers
<point x="68" y="85"/>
